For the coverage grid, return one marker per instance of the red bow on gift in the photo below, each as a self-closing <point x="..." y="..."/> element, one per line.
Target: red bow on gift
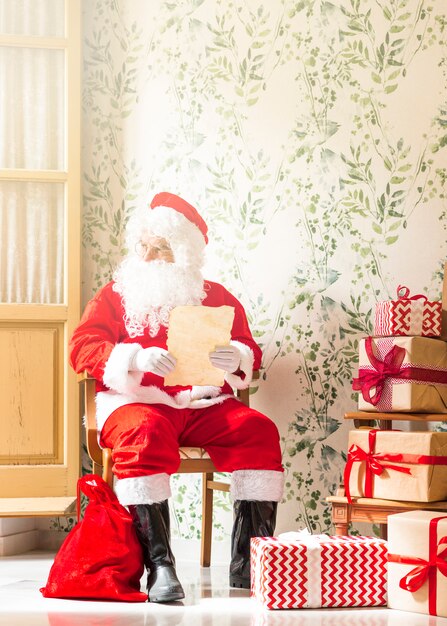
<point x="391" y="367"/>
<point x="425" y="570"/>
<point x="374" y="464"/>
<point x="406" y="294"/>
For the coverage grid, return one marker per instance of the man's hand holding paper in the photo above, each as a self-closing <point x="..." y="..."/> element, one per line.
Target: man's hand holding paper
<point x="227" y="358"/>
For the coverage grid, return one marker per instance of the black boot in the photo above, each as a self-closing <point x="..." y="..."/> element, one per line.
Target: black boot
<point x="252" y="518"/>
<point x="153" y="529"/>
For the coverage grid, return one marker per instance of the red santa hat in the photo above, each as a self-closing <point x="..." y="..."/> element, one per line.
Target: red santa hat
<point x="168" y="200"/>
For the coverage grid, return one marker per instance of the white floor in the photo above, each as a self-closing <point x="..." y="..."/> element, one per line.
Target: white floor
<point x="208" y="602"/>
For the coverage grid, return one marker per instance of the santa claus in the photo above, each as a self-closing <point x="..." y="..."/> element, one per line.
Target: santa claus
<point x="122" y="342"/>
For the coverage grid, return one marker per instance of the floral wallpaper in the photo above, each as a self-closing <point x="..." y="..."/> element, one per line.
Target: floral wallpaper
<point x="312" y="137"/>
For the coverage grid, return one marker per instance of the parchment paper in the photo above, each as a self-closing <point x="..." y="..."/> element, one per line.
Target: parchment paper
<point x="194" y="332"/>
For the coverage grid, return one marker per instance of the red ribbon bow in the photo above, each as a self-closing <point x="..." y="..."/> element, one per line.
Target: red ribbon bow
<point x="391" y="367"/>
<point x="425" y="570"/>
<point x="406" y="294"/>
<point x="374" y="464"/>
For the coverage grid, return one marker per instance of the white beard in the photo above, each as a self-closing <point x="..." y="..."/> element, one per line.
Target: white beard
<point x="150" y="290"/>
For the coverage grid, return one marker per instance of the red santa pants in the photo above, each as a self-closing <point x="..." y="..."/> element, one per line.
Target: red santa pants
<point x="145" y="440"/>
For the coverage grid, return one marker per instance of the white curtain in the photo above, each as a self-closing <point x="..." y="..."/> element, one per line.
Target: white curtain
<point x="32" y="131"/>
<point x="42" y="18"/>
<point x="32" y="251"/>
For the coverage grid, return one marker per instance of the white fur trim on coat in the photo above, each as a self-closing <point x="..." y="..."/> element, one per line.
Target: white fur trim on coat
<point x="246" y="365"/>
<point x="143" y="489"/>
<point x="265" y="485"/>
<point x="116" y="372"/>
<point x="196" y="398"/>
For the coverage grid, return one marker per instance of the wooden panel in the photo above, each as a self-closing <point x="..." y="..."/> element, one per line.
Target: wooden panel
<point x="47" y="176"/>
<point x="35" y="476"/>
<point x="33" y="481"/>
<point x="33" y="42"/>
<point x="24" y="507"/>
<point x="30" y="406"/>
<point x="24" y="312"/>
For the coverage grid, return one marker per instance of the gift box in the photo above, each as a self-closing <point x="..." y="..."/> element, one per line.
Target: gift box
<point x="402" y="374"/>
<point x="303" y="571"/>
<point x="417" y="567"/>
<point x="408" y="315"/>
<point x="396" y="465"/>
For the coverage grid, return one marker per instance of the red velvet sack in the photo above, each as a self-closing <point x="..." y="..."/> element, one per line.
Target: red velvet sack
<point x="101" y="558"/>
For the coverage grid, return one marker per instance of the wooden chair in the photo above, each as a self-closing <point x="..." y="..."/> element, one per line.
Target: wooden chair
<point x="193" y="461"/>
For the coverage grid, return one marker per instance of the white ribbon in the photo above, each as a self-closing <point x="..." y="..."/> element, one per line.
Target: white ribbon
<point x="313" y="544"/>
<point x="416" y="317"/>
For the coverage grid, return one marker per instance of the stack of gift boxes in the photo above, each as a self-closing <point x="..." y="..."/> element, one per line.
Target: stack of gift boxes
<point x="402" y="368"/>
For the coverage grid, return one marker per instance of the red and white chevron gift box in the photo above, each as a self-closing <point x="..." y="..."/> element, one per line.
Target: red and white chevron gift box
<point x="296" y="571"/>
<point x="408" y="315"/>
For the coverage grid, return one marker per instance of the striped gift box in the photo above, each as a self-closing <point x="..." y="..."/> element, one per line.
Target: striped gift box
<point x="412" y="316"/>
<point x="297" y="571"/>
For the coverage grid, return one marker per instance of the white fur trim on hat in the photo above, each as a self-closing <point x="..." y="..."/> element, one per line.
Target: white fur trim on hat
<point x="143" y="489"/>
<point x="164" y="221"/>
<point x="116" y="372"/>
<point x="246" y="365"/>
<point x="265" y="485"/>
<point x="184" y="237"/>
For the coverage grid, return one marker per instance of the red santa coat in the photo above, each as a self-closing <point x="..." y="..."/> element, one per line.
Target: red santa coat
<point x="102" y="346"/>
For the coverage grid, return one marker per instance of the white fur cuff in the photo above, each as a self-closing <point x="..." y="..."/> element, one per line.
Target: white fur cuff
<point x="116" y="372"/>
<point x="246" y="365"/>
<point x="143" y="489"/>
<point x="266" y="485"/>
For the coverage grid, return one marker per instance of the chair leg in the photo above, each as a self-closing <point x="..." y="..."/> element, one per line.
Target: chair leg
<point x="96" y="469"/>
<point x="107" y="466"/>
<point x="207" y="521"/>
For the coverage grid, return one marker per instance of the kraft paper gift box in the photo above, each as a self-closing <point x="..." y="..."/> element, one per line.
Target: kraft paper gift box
<point x="407" y="374"/>
<point x="395" y="465"/>
<point x="408" y="315"/>
<point x="298" y="570"/>
<point x="417" y="567"/>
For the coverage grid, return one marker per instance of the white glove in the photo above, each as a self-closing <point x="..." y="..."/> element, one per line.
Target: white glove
<point x="154" y="360"/>
<point x="227" y="358"/>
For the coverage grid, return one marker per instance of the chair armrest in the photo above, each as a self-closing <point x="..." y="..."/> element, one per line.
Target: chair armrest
<point x="89" y="389"/>
<point x="244" y="394"/>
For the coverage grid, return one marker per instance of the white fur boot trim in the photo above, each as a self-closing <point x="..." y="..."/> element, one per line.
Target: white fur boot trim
<point x="265" y="485"/>
<point x="143" y="489"/>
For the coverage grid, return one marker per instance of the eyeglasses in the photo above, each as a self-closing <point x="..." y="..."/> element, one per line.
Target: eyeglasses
<point x="142" y="248"/>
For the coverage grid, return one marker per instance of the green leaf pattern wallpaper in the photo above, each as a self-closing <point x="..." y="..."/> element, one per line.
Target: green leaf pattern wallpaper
<point x="312" y="137"/>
